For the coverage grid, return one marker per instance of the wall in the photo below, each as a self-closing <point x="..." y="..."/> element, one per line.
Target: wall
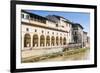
<point x="32" y="32"/>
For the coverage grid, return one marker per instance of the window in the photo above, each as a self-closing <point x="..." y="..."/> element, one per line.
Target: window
<point x="43" y="21"/>
<point x="75" y="33"/>
<point x="56" y="25"/>
<point x="27" y="29"/>
<point x="36" y="18"/>
<point x="52" y="32"/>
<point x="39" y="19"/>
<point x="22" y="15"/>
<point x="35" y="30"/>
<point x="48" y="32"/>
<point x="31" y="18"/>
<point x="62" y="26"/>
<point x="27" y="16"/>
<point x="42" y="31"/>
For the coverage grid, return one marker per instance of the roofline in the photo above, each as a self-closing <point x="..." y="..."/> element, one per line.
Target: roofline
<point x="36" y="15"/>
<point x="53" y="21"/>
<point x="68" y="21"/>
<point x="79" y="25"/>
<point x="85" y="32"/>
<point x="32" y="13"/>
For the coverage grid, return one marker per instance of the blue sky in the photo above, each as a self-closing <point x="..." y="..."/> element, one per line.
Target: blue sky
<point x="77" y="17"/>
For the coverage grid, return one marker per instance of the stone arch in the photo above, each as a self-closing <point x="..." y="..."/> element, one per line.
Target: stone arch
<point x="48" y="41"/>
<point x="60" y="40"/>
<point x="64" y="41"/>
<point x="42" y="40"/>
<point x="35" y="40"/>
<point x="57" y="40"/>
<point x="52" y="40"/>
<point x="27" y="40"/>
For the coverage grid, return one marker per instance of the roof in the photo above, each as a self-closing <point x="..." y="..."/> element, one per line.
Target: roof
<point x="58" y="17"/>
<point x="62" y="17"/>
<point x="53" y="18"/>
<point x="33" y="14"/>
<point x="85" y="32"/>
<point x="79" y="25"/>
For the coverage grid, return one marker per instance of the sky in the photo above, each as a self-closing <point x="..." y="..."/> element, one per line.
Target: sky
<point x="76" y="17"/>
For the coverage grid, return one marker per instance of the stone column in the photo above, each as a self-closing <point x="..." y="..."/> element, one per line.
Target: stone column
<point x="44" y="40"/>
<point x="38" y="40"/>
<point x="31" y="41"/>
<point x="58" y="41"/>
<point x="50" y="40"/>
<point x="55" y="41"/>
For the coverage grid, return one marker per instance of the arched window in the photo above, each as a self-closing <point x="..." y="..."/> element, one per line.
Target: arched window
<point x="27" y="40"/>
<point x="57" y="40"/>
<point x="64" y="41"/>
<point x="52" y="41"/>
<point x="60" y="40"/>
<point x="35" y="40"/>
<point x="75" y="39"/>
<point x="42" y="40"/>
<point x="48" y="41"/>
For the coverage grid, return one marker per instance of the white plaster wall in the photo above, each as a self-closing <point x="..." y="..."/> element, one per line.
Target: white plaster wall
<point x="39" y="33"/>
<point x="50" y="24"/>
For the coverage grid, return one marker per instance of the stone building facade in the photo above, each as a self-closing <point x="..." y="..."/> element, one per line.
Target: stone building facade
<point x="51" y="31"/>
<point x="77" y="33"/>
<point x="40" y="32"/>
